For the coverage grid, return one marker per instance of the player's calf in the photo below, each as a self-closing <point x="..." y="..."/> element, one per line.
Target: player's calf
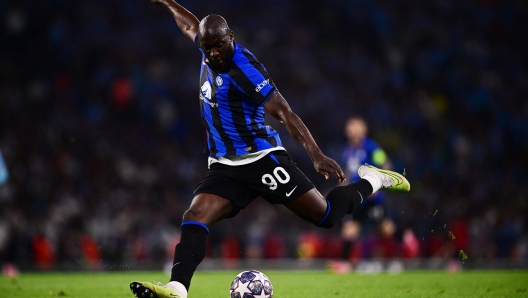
<point x="342" y="200"/>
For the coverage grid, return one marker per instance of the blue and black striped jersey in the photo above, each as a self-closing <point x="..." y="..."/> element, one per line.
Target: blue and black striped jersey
<point x="231" y="106"/>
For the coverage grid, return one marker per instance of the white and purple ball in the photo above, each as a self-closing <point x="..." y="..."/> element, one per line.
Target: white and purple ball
<point x="251" y="284"/>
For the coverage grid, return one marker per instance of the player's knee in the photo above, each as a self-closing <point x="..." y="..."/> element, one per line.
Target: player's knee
<point x="342" y="200"/>
<point x="328" y="220"/>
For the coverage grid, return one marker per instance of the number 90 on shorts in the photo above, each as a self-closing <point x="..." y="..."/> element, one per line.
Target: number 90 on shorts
<point x="279" y="175"/>
<point x="276" y="178"/>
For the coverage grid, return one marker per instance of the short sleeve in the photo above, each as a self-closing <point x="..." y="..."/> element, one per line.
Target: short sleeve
<point x="252" y="77"/>
<point x="377" y="155"/>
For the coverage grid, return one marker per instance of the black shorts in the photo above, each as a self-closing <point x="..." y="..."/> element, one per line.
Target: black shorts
<point x="275" y="177"/>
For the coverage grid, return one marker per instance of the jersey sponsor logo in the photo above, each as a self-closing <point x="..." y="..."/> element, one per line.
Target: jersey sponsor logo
<point x="219" y="81"/>
<point x="206" y="90"/>
<point x="205" y="94"/>
<point x="262" y="85"/>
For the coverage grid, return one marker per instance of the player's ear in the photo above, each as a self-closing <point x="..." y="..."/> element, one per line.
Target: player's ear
<point x="231" y="35"/>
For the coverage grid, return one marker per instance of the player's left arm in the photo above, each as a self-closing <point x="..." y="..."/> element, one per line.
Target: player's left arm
<point x="380" y="159"/>
<point x="277" y="107"/>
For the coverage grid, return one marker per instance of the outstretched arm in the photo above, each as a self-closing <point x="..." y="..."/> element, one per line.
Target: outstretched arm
<point x="186" y="21"/>
<point x="280" y="110"/>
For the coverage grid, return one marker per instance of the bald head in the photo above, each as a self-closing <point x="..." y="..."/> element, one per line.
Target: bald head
<point x="216" y="41"/>
<point x="213" y="25"/>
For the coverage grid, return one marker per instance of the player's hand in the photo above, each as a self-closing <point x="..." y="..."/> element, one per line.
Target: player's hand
<point x="324" y="165"/>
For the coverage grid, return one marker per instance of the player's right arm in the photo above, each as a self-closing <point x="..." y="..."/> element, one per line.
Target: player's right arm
<point x="186" y="21"/>
<point x="277" y="107"/>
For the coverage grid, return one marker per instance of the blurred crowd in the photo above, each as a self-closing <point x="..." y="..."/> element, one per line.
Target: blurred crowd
<point x="102" y="139"/>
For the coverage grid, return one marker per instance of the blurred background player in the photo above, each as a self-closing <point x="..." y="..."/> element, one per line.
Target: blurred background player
<point x="360" y="149"/>
<point x="9" y="268"/>
<point x="3" y="170"/>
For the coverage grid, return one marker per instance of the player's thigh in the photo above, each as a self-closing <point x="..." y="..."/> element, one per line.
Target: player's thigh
<point x="310" y="206"/>
<point x="218" y="196"/>
<point x="209" y="208"/>
<point x="276" y="178"/>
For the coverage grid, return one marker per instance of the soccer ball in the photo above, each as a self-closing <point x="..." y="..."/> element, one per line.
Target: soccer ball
<point x="251" y="284"/>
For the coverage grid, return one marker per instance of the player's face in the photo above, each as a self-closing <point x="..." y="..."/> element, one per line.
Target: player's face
<point x="356" y="130"/>
<point x="218" y="50"/>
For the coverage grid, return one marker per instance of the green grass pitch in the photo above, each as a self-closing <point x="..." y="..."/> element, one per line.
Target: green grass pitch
<point x="287" y="284"/>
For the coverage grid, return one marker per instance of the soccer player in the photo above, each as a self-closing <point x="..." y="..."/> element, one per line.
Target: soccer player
<point x="359" y="150"/>
<point x="246" y="157"/>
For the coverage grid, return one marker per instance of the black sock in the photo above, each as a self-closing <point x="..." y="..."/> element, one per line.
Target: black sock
<point x="347" y="246"/>
<point x="364" y="187"/>
<point x="189" y="253"/>
<point x="342" y="200"/>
